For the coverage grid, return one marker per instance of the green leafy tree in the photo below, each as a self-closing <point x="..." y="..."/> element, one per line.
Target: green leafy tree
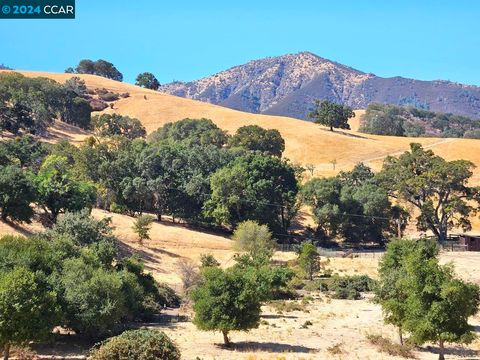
<point x="144" y="344"/>
<point x="436" y="187"/>
<point x="82" y="228"/>
<point x="330" y="114"/>
<point x="254" y="187"/>
<point x="438" y="304"/>
<point x="309" y="259"/>
<point x="100" y="68"/>
<point x="59" y="191"/>
<point x="390" y="291"/>
<point x="17" y="192"/>
<point x="256" y="138"/>
<point x="142" y="227"/>
<point x="382" y="119"/>
<point x="147" y="80"/>
<point x="93" y="297"/>
<point x="226" y="300"/>
<point x="27" y="311"/>
<point x="255" y="239"/>
<point x="24" y="151"/>
<point x="115" y="124"/>
<point x="191" y="132"/>
<point x="352" y="205"/>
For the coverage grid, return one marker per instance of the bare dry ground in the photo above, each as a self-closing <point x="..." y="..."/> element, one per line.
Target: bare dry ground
<point x="339" y="327"/>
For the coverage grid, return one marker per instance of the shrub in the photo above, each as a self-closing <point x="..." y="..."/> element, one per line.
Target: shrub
<point x="137" y="345"/>
<point x="387" y="346"/>
<point x="142" y="227"/>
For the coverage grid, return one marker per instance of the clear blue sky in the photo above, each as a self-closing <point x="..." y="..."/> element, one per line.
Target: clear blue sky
<point x="185" y="40"/>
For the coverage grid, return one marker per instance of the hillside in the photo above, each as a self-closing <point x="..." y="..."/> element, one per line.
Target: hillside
<point x="306" y="143"/>
<point x="287" y="85"/>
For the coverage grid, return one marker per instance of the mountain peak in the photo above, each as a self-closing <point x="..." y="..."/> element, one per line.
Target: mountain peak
<point x="288" y="84"/>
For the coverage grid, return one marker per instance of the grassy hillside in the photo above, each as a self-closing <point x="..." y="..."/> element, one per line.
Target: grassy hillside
<point x="306" y="143"/>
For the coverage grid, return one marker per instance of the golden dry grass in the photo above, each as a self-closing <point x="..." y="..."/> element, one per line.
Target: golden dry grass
<point x="306" y="143"/>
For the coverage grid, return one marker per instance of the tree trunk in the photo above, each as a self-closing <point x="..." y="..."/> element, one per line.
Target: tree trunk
<point x="331" y="128"/>
<point x="6" y="351"/>
<point x="226" y="341"/>
<point x="400" y="335"/>
<point x="441" y="354"/>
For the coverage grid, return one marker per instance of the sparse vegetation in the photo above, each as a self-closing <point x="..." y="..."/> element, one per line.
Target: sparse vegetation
<point x="388" y="347"/>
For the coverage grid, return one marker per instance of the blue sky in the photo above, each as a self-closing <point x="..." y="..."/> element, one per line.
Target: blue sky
<point x="185" y="40"/>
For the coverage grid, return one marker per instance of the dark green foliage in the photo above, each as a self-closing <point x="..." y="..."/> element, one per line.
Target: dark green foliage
<point x="256" y="138"/>
<point x="352" y="205"/>
<point x="330" y="114"/>
<point x="77" y="112"/>
<point x="309" y="259"/>
<point x="226" y="300"/>
<point x="147" y="80"/>
<point x="436" y="187"/>
<point x="17" y="192"/>
<point x="59" y="191"/>
<point x="137" y="345"/>
<point x="386" y="119"/>
<point x="100" y="68"/>
<point x="254" y="187"/>
<point x="424" y="298"/>
<point x="23" y="151"/>
<point x="191" y="132"/>
<point x="93" y="297"/>
<point x="28" y="311"/>
<point x="115" y="124"/>
<point x="208" y="260"/>
<point x="32" y="104"/>
<point x="82" y="229"/>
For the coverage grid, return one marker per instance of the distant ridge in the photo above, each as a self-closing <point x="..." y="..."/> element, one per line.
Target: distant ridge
<point x="287" y="85"/>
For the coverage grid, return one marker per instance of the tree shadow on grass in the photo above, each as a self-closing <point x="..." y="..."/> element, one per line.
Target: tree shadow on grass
<point x="463" y="352"/>
<point x="17" y="227"/>
<point x="277" y="316"/>
<point x="247" y="346"/>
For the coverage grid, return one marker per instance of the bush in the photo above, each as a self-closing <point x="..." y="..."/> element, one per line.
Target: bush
<point x="387" y="346"/>
<point x="345" y="287"/>
<point x="137" y="345"/>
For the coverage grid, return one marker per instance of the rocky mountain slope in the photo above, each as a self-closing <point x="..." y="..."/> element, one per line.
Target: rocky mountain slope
<point x="287" y="85"/>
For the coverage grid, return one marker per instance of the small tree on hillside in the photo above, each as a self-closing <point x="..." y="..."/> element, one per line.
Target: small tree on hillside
<point x="27" y="311"/>
<point x="255" y="239"/>
<point x="142" y="227"/>
<point x="59" y="190"/>
<point x="226" y="300"/>
<point x="147" y="80"/>
<point x="330" y="114"/>
<point x="309" y="259"/>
